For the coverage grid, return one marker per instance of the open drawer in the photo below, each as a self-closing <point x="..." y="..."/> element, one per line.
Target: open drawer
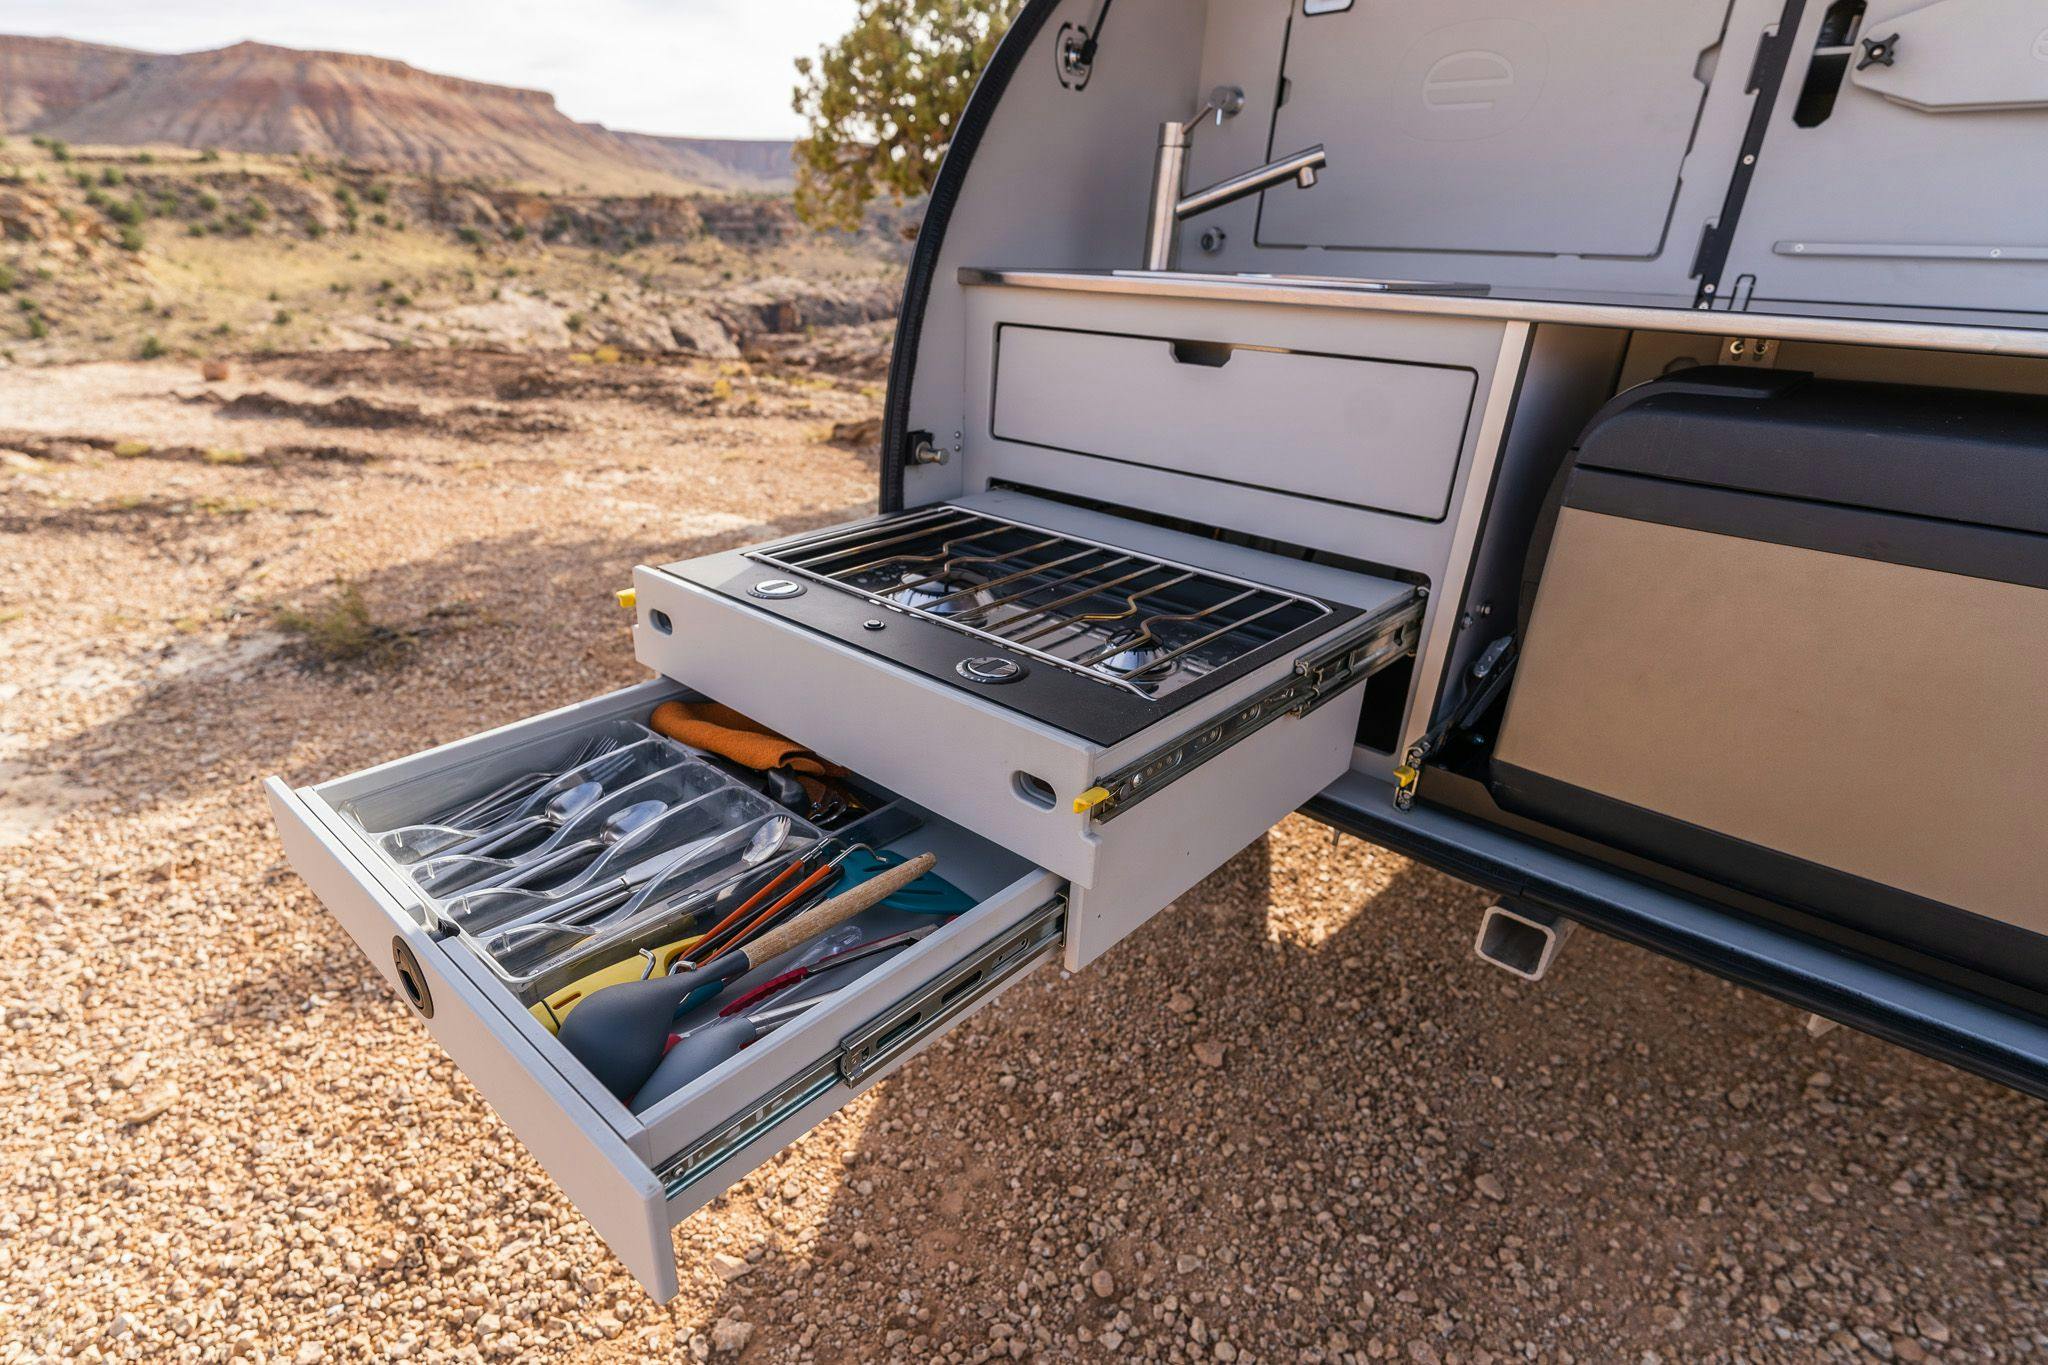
<point x="1123" y="704"/>
<point x="635" y="1175"/>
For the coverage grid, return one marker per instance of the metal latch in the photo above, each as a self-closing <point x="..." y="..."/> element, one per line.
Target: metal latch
<point x="874" y="1045"/>
<point x="1318" y="679"/>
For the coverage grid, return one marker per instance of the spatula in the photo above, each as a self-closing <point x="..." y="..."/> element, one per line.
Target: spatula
<point x="620" y="1031"/>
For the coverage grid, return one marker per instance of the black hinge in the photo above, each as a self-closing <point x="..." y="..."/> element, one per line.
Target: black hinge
<point x="1773" y="55"/>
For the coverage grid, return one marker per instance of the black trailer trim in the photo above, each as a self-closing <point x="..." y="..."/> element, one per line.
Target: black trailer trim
<point x="931" y="237"/>
<point x="1935" y="930"/>
<point x="1959" y="1029"/>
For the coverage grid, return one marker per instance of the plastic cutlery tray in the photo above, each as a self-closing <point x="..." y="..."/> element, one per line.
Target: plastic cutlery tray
<point x="541" y="899"/>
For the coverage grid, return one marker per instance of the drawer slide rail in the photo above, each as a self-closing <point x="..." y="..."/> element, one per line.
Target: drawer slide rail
<point x="1318" y="679"/>
<point x="875" y="1045"/>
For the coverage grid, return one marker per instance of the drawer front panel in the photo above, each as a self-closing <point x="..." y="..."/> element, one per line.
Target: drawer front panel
<point x="1364" y="433"/>
<point x="576" y="1145"/>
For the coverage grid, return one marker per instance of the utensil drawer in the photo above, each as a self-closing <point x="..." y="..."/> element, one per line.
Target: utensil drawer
<point x="635" y="1176"/>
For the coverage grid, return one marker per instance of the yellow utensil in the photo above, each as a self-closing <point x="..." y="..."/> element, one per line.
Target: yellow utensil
<point x="550" y="1011"/>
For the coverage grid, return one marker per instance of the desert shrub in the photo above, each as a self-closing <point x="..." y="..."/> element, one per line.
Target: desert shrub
<point x="342" y="630"/>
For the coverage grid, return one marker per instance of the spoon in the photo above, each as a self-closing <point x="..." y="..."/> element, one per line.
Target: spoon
<point x="557" y="812"/>
<point x="621" y="825"/>
<point x="502" y="800"/>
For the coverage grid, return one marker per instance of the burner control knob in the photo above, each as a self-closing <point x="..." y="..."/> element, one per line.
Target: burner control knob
<point x="774" y="588"/>
<point x="989" y="669"/>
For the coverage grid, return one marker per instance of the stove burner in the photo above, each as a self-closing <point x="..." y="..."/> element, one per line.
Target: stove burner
<point x="1138" y="658"/>
<point x="939" y="596"/>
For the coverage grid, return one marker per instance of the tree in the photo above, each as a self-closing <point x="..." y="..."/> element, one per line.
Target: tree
<point x="883" y="101"/>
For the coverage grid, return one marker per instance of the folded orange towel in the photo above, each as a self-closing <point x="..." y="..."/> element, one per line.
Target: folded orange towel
<point x="723" y="731"/>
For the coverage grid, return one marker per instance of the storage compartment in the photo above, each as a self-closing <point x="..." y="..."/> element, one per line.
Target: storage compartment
<point x="1897" y="170"/>
<point x="1469" y="126"/>
<point x="1165" y="701"/>
<point x="1377" y="434"/>
<point x="1123" y="705"/>
<point x="1787" y="635"/>
<point x="634" y="1169"/>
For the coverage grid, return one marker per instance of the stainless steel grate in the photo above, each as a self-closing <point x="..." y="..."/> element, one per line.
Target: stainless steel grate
<point x="1145" y="625"/>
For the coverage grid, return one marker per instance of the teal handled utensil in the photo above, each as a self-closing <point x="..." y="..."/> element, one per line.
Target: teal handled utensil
<point x="619" y="1033"/>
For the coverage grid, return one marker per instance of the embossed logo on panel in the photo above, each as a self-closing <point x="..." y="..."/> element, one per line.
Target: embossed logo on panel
<point x="1472" y="80"/>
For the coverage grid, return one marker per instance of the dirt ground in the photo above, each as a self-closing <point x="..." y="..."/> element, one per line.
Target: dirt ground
<point x="1290" y="1120"/>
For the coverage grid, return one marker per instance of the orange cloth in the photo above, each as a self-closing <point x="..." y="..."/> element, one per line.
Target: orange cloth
<point x="723" y="731"/>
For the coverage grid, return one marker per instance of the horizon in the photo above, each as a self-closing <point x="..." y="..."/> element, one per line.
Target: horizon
<point x="706" y="68"/>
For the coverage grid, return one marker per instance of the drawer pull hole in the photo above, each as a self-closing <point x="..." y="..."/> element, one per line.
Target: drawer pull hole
<point x="411" y="978"/>
<point x="1035" y="791"/>
<point x="1213" y="355"/>
<point x="659" y="620"/>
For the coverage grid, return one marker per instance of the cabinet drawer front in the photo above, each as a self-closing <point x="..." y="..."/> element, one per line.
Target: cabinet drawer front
<point x="1375" y="434"/>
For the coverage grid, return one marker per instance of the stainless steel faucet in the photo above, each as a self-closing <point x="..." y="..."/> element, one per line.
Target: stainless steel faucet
<point x="1170" y="205"/>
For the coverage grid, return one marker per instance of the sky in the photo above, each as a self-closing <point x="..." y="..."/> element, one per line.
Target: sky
<point x="706" y="68"/>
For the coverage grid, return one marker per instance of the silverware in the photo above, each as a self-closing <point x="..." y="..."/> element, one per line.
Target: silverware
<point x="500" y="801"/>
<point x="572" y="916"/>
<point x="621" y="825"/>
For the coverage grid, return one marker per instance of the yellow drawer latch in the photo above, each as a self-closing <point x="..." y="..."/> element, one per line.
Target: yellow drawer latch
<point x="1090" y="799"/>
<point x="628" y="598"/>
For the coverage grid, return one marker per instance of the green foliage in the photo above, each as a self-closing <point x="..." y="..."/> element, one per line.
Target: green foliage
<point x="342" y="630"/>
<point x="882" y="102"/>
<point x="8" y="279"/>
<point x="131" y="238"/>
<point x="151" y="349"/>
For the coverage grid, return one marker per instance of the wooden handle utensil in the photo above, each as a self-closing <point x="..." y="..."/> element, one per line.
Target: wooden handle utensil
<point x="620" y="1031"/>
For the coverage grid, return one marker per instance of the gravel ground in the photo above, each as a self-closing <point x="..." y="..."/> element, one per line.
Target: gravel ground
<point x="1290" y="1120"/>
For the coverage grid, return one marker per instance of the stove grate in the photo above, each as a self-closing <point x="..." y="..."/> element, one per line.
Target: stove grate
<point x="1146" y="625"/>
